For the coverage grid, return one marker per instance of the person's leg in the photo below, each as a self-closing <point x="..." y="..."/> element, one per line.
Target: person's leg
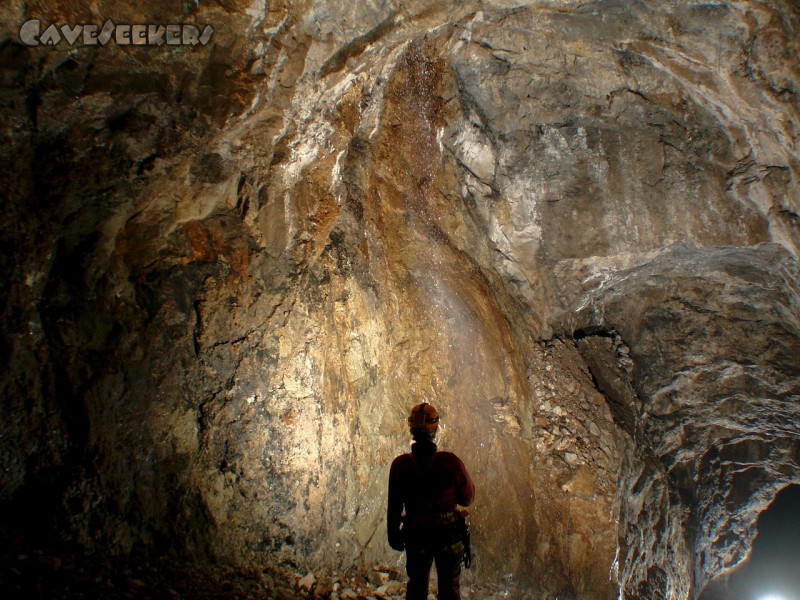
<point x="418" y="567"/>
<point x="448" y="571"/>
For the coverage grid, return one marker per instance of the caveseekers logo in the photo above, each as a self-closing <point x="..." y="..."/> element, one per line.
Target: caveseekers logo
<point x="31" y="34"/>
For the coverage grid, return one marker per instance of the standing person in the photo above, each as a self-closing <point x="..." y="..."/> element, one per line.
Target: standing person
<point x="428" y="485"/>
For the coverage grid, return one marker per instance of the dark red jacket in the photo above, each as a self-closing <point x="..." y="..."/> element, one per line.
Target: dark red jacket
<point x="425" y="482"/>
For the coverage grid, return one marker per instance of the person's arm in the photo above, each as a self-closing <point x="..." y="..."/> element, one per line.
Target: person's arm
<point x="394" y="507"/>
<point x="465" y="488"/>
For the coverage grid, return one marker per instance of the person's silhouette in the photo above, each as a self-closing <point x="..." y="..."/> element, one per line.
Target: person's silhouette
<point x="425" y="487"/>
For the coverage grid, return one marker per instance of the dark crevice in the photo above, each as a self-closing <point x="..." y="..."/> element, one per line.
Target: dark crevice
<point x="596" y="346"/>
<point x="357" y="46"/>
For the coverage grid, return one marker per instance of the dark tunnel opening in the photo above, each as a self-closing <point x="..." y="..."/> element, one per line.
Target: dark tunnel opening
<point x="772" y="571"/>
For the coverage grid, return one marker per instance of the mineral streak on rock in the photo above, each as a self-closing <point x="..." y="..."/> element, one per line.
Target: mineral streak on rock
<point x="232" y="268"/>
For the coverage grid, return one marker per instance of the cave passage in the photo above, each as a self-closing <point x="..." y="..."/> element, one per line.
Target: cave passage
<point x="772" y="571"/>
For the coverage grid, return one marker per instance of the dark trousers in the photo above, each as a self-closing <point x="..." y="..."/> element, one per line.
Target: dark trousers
<point x="448" y="570"/>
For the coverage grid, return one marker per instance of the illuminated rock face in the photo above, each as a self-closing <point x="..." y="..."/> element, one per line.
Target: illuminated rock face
<point x="573" y="228"/>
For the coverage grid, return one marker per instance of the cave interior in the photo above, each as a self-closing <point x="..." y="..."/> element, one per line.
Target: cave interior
<point x="230" y="267"/>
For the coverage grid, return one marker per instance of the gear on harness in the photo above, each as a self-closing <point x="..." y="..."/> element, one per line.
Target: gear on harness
<point x="465" y="538"/>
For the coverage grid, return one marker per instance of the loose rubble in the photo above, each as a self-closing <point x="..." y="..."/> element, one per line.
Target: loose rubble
<point x="37" y="574"/>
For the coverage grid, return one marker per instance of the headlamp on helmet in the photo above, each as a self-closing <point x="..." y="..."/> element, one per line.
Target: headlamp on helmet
<point x="423" y="416"/>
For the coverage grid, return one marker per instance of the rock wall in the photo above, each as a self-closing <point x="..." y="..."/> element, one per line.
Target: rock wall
<point x="573" y="227"/>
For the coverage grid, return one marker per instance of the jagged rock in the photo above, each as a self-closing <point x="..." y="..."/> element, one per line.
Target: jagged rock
<point x="390" y="588"/>
<point x="282" y="593"/>
<point x="306" y="582"/>
<point x="692" y="363"/>
<point x="325" y="587"/>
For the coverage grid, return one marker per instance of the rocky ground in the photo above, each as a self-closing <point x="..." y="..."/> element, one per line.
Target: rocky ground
<point x="71" y="576"/>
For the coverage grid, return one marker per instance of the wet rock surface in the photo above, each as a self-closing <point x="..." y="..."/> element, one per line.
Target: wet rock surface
<point x="233" y="268"/>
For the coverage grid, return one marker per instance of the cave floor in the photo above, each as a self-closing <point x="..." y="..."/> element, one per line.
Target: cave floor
<point x="70" y="578"/>
<point x="35" y="573"/>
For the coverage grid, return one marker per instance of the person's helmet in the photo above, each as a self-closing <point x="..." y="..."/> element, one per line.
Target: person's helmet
<point x="423" y="416"/>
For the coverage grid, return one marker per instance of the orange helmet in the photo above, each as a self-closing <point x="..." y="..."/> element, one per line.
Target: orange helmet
<point x="423" y="416"/>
